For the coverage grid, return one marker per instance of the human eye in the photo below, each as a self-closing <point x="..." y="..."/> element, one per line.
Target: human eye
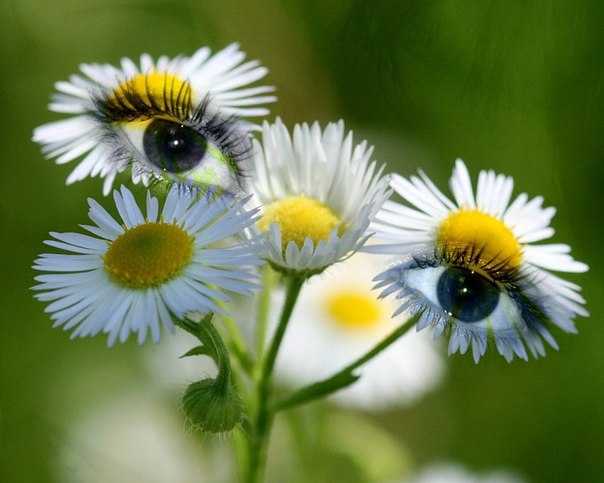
<point x="157" y="130"/>
<point x="471" y="301"/>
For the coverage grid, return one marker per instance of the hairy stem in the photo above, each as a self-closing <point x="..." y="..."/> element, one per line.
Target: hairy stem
<point x="264" y="415"/>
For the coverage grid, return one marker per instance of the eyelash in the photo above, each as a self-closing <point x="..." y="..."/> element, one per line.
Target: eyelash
<point x="471" y="257"/>
<point x="131" y="105"/>
<point x="126" y="104"/>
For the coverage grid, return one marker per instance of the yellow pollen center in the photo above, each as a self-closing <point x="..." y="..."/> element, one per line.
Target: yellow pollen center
<point x="481" y="233"/>
<point x="299" y="217"/>
<point x="148" y="255"/>
<point x="157" y="89"/>
<point x="354" y="309"/>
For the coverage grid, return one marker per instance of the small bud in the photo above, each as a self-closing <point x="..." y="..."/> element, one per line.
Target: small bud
<point x="212" y="406"/>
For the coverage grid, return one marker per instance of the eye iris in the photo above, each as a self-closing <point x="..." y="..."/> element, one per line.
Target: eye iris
<point x="172" y="146"/>
<point x="467" y="295"/>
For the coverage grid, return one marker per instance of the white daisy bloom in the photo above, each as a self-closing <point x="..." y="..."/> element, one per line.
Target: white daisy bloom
<point x="137" y="275"/>
<point x="455" y="473"/>
<point x="319" y="193"/>
<point x="469" y="267"/>
<point x="167" y="118"/>
<point x="337" y="319"/>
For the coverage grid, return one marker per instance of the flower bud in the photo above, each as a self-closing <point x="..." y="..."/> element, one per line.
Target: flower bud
<point x="212" y="406"/>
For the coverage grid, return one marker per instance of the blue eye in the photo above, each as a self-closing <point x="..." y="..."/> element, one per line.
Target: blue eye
<point x="469" y="306"/>
<point x="466" y="295"/>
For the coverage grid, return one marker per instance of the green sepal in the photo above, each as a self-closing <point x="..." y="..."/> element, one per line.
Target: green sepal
<point x="200" y="350"/>
<point x="318" y="390"/>
<point x="212" y="405"/>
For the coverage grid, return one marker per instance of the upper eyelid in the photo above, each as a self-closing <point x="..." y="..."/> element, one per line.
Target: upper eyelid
<point x="508" y="278"/>
<point x="514" y="296"/>
<point x="197" y="118"/>
<point x="470" y="257"/>
<point x="113" y="107"/>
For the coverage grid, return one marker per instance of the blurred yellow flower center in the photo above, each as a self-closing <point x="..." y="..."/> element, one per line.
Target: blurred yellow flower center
<point x="481" y="233"/>
<point x="148" y="255"/>
<point x="354" y="309"/>
<point x="162" y="91"/>
<point x="300" y="217"/>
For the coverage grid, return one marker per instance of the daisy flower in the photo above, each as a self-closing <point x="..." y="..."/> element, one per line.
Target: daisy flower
<point x="470" y="268"/>
<point x="170" y="118"/>
<point x="338" y="319"/>
<point x="137" y="275"/>
<point x="455" y="473"/>
<point x="318" y="192"/>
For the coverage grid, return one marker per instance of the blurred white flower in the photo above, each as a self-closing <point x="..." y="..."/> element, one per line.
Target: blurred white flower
<point x="336" y="320"/>
<point x="455" y="473"/>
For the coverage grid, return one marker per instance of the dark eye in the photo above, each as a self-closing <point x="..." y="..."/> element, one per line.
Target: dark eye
<point x="172" y="146"/>
<point x="466" y="295"/>
<point x="469" y="307"/>
<point x="164" y="136"/>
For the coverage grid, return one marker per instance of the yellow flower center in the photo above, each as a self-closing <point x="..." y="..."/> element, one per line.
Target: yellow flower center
<point x="160" y="90"/>
<point x="148" y="255"/>
<point x="355" y="309"/>
<point x="300" y="217"/>
<point x="482" y="234"/>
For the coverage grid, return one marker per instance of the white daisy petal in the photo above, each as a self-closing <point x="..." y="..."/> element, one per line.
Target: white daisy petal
<point x="152" y="208"/>
<point x="104" y="220"/>
<point x="461" y="186"/>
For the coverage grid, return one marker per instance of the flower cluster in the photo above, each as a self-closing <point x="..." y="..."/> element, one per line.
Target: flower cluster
<point x="252" y="208"/>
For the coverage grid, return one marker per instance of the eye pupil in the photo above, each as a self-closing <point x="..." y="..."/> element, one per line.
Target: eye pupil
<point x="172" y="146"/>
<point x="177" y="144"/>
<point x="467" y="295"/>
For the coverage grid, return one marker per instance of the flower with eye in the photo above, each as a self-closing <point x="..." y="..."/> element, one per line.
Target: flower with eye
<point x="319" y="194"/>
<point x="136" y="276"/>
<point x="469" y="269"/>
<point x="172" y="119"/>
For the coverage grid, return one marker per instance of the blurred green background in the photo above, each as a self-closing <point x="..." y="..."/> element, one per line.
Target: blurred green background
<point x="514" y="86"/>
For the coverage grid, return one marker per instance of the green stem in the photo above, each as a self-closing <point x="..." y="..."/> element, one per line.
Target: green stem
<point x="236" y="341"/>
<point x="393" y="337"/>
<point x="211" y="339"/>
<point x="241" y="450"/>
<point x="264" y="304"/>
<point x="264" y="416"/>
<point x="345" y="377"/>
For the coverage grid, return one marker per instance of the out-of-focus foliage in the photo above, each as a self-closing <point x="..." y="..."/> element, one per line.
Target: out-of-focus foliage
<point x="513" y="86"/>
